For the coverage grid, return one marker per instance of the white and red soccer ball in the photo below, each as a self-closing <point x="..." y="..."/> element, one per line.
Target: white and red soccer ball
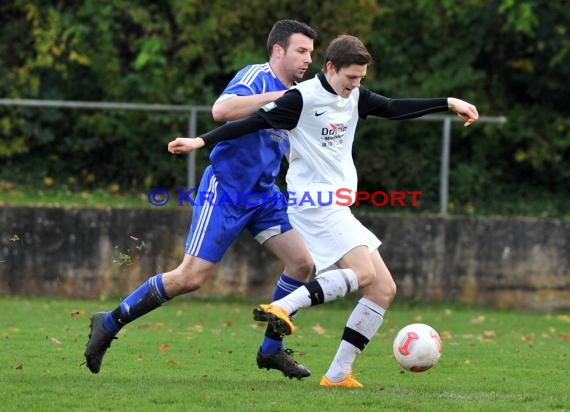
<point x="417" y="347"/>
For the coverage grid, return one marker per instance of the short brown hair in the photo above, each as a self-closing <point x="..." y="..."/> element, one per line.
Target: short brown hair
<point x="284" y="29"/>
<point x="346" y="50"/>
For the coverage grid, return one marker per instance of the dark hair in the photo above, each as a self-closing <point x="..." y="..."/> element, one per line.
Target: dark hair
<point x="346" y="50"/>
<point x="282" y="31"/>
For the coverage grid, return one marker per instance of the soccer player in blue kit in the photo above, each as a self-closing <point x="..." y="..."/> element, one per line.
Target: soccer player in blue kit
<point x="249" y="165"/>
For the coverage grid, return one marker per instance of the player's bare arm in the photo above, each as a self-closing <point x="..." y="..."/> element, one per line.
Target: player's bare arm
<point x="466" y="111"/>
<point x="237" y="107"/>
<point x="185" y="145"/>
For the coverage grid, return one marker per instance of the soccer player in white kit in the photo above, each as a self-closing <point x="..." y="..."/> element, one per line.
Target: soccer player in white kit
<point x="321" y="116"/>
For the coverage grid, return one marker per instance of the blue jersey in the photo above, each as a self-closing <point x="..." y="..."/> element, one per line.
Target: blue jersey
<point x="252" y="162"/>
<point x="239" y="167"/>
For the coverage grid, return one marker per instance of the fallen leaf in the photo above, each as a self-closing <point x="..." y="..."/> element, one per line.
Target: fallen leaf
<point x="478" y="320"/>
<point x="173" y="362"/>
<point x="19" y="366"/>
<point x="229" y="323"/>
<point x="164" y="347"/>
<point x="319" y="329"/>
<point x="79" y="312"/>
<point x="196" y="328"/>
<point x="489" y="334"/>
<point x="445" y="334"/>
<point x="55" y="341"/>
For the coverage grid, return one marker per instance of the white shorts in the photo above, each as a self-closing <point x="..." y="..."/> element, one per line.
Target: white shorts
<point x="330" y="233"/>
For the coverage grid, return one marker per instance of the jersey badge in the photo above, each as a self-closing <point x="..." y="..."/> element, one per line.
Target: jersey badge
<point x="269" y="106"/>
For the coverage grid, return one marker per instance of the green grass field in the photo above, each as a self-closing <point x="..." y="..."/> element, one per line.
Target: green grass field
<point x="102" y="198"/>
<point x="200" y="355"/>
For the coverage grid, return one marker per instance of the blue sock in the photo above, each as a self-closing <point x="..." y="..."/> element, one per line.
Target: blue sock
<point x="142" y="300"/>
<point x="285" y="285"/>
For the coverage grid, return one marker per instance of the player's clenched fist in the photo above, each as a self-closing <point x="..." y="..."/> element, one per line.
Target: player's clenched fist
<point x="185" y="145"/>
<point x="465" y="111"/>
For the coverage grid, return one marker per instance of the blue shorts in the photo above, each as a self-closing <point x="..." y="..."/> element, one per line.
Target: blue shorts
<point x="219" y="217"/>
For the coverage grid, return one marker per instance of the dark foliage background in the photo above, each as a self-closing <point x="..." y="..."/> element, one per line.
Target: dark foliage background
<point x="509" y="57"/>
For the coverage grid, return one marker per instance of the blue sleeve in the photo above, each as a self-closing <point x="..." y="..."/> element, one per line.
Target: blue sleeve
<point x="246" y="82"/>
<point x="284" y="113"/>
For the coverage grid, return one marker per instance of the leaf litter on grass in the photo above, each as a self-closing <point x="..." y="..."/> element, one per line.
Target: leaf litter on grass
<point x="493" y="355"/>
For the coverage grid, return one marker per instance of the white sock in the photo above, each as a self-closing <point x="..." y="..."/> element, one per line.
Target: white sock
<point x="329" y="286"/>
<point x="362" y="325"/>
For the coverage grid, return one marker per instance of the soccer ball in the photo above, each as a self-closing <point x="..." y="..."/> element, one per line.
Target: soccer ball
<point x="417" y="347"/>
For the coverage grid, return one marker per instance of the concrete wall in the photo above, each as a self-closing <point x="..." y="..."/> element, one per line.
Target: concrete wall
<point x="91" y="253"/>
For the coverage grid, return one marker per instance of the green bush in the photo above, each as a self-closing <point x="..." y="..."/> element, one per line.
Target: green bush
<point x="509" y="58"/>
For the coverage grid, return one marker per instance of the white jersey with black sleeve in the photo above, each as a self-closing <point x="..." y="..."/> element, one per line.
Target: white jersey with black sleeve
<point x="321" y="127"/>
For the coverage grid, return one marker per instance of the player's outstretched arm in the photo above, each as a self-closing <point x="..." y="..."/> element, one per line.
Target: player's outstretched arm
<point x="183" y="145"/>
<point x="466" y="111"/>
<point x="232" y="130"/>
